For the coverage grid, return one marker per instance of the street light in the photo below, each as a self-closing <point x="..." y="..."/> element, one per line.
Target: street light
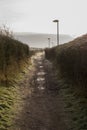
<point x="49" y="42"/>
<point x="57" y="21"/>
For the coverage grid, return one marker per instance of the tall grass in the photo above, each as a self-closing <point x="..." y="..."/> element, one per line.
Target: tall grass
<point x="71" y="60"/>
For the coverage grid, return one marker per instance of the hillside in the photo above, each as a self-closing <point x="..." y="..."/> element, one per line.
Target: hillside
<point x="41" y="40"/>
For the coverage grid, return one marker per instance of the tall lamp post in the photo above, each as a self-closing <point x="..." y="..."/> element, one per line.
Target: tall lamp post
<point x="49" y="42"/>
<point x="57" y="21"/>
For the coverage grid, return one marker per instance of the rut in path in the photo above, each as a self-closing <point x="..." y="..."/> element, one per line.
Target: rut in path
<point x="42" y="109"/>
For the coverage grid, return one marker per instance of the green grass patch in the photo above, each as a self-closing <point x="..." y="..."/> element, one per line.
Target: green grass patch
<point x="75" y="106"/>
<point x="7" y="100"/>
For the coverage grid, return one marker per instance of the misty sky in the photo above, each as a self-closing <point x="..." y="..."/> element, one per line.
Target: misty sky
<point x="37" y="15"/>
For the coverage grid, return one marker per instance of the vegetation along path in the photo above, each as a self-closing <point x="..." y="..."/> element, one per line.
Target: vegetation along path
<point x="42" y="107"/>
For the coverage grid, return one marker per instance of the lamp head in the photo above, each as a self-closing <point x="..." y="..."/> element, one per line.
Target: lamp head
<point x="56" y="20"/>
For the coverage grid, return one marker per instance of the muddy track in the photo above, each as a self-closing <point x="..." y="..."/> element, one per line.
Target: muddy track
<point x="42" y="109"/>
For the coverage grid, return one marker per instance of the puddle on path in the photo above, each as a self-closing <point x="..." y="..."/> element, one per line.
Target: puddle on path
<point x="41" y="66"/>
<point x="40" y="79"/>
<point x="41" y="87"/>
<point x="42" y="73"/>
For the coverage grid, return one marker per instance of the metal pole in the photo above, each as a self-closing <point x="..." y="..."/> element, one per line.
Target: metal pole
<point x="49" y="42"/>
<point x="57" y="21"/>
<point x="58" y="33"/>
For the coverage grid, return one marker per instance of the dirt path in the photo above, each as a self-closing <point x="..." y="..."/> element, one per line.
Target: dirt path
<point x="42" y="108"/>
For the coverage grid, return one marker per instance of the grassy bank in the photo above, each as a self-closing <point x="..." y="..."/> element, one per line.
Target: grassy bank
<point x="70" y="61"/>
<point x="75" y="104"/>
<point x="10" y="98"/>
<point x="7" y="100"/>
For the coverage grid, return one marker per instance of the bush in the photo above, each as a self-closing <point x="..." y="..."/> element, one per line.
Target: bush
<point x="71" y="60"/>
<point x="12" y="52"/>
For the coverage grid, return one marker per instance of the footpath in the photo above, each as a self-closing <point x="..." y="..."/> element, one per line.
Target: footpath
<point x="42" y="107"/>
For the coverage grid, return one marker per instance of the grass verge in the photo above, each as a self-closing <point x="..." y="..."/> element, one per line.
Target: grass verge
<point x="75" y="102"/>
<point x="10" y="97"/>
<point x="7" y="101"/>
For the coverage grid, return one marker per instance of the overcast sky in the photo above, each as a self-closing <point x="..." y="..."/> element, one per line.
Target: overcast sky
<point x="37" y="15"/>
